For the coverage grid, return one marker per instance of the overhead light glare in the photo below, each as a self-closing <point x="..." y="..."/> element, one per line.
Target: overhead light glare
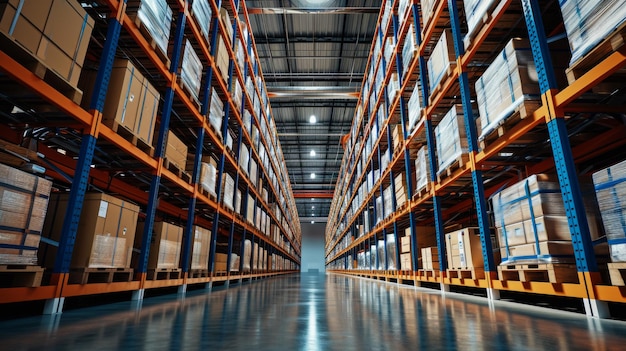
<point x="312" y="153"/>
<point x="312" y="119"/>
<point x="312" y="175"/>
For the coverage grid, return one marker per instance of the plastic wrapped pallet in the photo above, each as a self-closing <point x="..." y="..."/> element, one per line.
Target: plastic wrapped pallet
<point x="216" y="112"/>
<point x="201" y="248"/>
<point x="428" y="7"/>
<point x="234" y="262"/>
<point x="393" y="87"/>
<point x="156" y="17"/>
<point x="441" y="60"/>
<point x="588" y="22"/>
<point x="414" y="108"/>
<point x="388" y="202"/>
<point x="56" y="32"/>
<point x="360" y="260"/>
<point x="238" y="201"/>
<point x="165" y="244"/>
<point x="244" y="156"/>
<point x="229" y="191"/>
<point x="450" y="138"/>
<point x="510" y="80"/>
<point x="247" y="254"/>
<point x="475" y="11"/>
<point x="107" y="228"/>
<point x="390" y="46"/>
<point x="191" y="70"/>
<point x="422" y="169"/>
<point x="23" y="205"/>
<point x="131" y="101"/>
<point x="208" y="175"/>
<point x="379" y="209"/>
<point x="250" y="209"/>
<point x="253" y="172"/>
<point x="239" y="54"/>
<point x="237" y="94"/>
<point x="403" y="7"/>
<point x="380" y="247"/>
<point x="228" y="24"/>
<point x="409" y="50"/>
<point x="391" y="252"/>
<point x="610" y="187"/>
<point x="201" y="10"/>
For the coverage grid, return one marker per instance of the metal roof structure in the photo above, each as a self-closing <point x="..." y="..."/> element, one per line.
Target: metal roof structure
<point x="313" y="55"/>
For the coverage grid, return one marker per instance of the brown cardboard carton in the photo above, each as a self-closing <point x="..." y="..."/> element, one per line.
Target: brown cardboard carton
<point x="201" y="248"/>
<point x="552" y="248"/>
<point x="176" y="151"/>
<point x="18" y="27"/>
<point x="107" y="231"/>
<point x="165" y="244"/>
<point x="406" y="262"/>
<point x="405" y="244"/>
<point x="464" y="250"/>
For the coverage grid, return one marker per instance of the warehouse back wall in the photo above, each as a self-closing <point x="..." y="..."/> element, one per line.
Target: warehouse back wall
<point x="313" y="247"/>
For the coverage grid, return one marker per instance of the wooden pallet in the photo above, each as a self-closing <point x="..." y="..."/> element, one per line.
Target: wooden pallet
<point x="18" y="275"/>
<point x="153" y="44"/>
<point x="181" y="173"/>
<point x="524" y="110"/>
<point x="40" y="69"/>
<point x="612" y="43"/>
<point x="617" y="273"/>
<point x="199" y="273"/>
<point x="466" y="273"/>
<point x="546" y="272"/>
<point x="424" y="191"/>
<point x="428" y="273"/>
<point x="164" y="274"/>
<point x="127" y="134"/>
<point x="206" y="193"/>
<point x="100" y="275"/>
<point x="442" y="82"/>
<point x="459" y="162"/>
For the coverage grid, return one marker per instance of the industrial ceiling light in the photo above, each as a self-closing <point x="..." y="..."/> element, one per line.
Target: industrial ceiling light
<point x="312" y="199"/>
<point x="312" y="207"/>
<point x="312" y="222"/>
<point x="312" y="153"/>
<point x="312" y="175"/>
<point x="312" y="119"/>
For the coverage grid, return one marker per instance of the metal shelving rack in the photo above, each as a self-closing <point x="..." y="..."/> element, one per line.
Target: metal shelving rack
<point x="486" y="172"/>
<point x="162" y="192"/>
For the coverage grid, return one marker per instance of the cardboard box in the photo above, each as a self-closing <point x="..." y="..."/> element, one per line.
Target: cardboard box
<point x="450" y="138"/>
<point x="406" y="262"/>
<point x="165" y="244"/>
<point x="430" y="257"/>
<point x="201" y="248"/>
<point x="528" y="252"/>
<point x="176" y="151"/>
<point x="107" y="229"/>
<point x="23" y="206"/>
<point x="405" y="244"/>
<point x="441" y="59"/>
<point x="464" y="249"/>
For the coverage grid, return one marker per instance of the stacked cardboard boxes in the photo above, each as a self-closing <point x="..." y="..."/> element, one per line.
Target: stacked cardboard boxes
<point x="464" y="249"/>
<point x="430" y="258"/>
<point x="234" y="262"/>
<point x="397" y="136"/>
<point x="610" y="186"/>
<point x="107" y="231"/>
<point x="23" y="205"/>
<point x="406" y="261"/>
<point x="247" y="254"/>
<point x="393" y="87"/>
<point x="57" y="32"/>
<point x="401" y="189"/>
<point x="131" y="101"/>
<point x="409" y="50"/>
<point x="165" y="244"/>
<point x="531" y="222"/>
<point x="208" y="175"/>
<point x="475" y="11"/>
<point x="441" y="60"/>
<point x="201" y="248"/>
<point x="176" y="151"/>
<point x="450" y="138"/>
<point x="510" y="80"/>
<point x="220" y="262"/>
<point x="229" y="191"/>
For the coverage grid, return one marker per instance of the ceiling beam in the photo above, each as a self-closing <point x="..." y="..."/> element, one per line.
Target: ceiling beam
<point x="336" y="135"/>
<point x="305" y="194"/>
<point x="313" y="219"/>
<point x="313" y="92"/>
<point x="355" y="10"/>
<point x="365" y="40"/>
<point x="356" y="77"/>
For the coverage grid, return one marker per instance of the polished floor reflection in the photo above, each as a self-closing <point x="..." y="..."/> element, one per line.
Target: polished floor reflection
<point x="313" y="312"/>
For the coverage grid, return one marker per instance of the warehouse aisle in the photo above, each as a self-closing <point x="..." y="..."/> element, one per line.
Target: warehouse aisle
<point x="312" y="312"/>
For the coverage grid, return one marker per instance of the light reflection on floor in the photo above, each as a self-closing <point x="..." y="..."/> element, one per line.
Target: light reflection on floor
<point x="313" y="312"/>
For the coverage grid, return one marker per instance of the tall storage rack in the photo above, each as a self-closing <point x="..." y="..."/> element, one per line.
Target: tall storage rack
<point x="565" y="135"/>
<point x="95" y="157"/>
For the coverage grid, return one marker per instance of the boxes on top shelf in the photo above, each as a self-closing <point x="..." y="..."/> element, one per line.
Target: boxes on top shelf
<point x="531" y="222"/>
<point x="23" y="205"/>
<point x="156" y="17"/>
<point x="201" y="10"/>
<point x="165" y="244"/>
<point x="589" y="22"/>
<point x="422" y="169"/>
<point x="450" y="138"/>
<point x="610" y="188"/>
<point x="191" y="70"/>
<point x="57" y="32"/>
<point x="208" y="175"/>
<point x="442" y="60"/>
<point x="510" y="81"/>
<point x="107" y="229"/>
<point x="200" y="248"/>
<point x="131" y="101"/>
<point x="415" y="108"/>
<point x="176" y="151"/>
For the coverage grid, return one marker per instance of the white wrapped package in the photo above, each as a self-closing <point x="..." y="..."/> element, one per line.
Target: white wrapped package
<point x="393" y="88"/>
<point x="191" y="70"/>
<point x="244" y="156"/>
<point x="229" y="191"/>
<point x="409" y="49"/>
<point x="381" y="254"/>
<point x="475" y="10"/>
<point x="391" y="252"/>
<point x="201" y="10"/>
<point x="156" y="17"/>
<point x="414" y="107"/>
<point x="422" y="169"/>
<point x="450" y="138"/>
<point x="388" y="202"/>
<point x="428" y="7"/>
<point x="208" y="177"/>
<point x="588" y="22"/>
<point x="441" y="60"/>
<point x="610" y="187"/>
<point x="216" y="112"/>
<point x="510" y="80"/>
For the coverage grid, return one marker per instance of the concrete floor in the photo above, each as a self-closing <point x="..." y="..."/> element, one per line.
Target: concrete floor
<point x="313" y="312"/>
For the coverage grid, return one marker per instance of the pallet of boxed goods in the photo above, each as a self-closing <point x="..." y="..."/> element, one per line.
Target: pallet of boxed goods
<point x="441" y="63"/>
<point x="508" y="91"/>
<point x="154" y="20"/>
<point x="131" y="105"/>
<point x="176" y="156"/>
<point x="422" y="173"/>
<point x="201" y="11"/>
<point x="464" y="254"/>
<point x="451" y="142"/>
<point x="191" y="73"/>
<point x="107" y="228"/>
<point x="595" y="29"/>
<point x="390" y="246"/>
<point x="165" y="249"/>
<point x="49" y="38"/>
<point x="200" y="250"/>
<point x="208" y="177"/>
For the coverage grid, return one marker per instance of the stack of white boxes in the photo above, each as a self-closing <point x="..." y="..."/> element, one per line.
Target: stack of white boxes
<point x="208" y="175"/>
<point x="414" y="107"/>
<point x="405" y="251"/>
<point x="442" y="60"/>
<point x="156" y="17"/>
<point x="391" y="252"/>
<point x="422" y="169"/>
<point x="191" y="70"/>
<point x="201" y="10"/>
<point x="610" y="186"/>
<point x="216" y="112"/>
<point x="450" y="137"/>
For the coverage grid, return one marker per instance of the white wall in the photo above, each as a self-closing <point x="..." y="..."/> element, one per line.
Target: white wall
<point x="313" y="247"/>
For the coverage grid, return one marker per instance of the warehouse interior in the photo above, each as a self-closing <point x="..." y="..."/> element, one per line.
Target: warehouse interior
<point x="300" y="173"/>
